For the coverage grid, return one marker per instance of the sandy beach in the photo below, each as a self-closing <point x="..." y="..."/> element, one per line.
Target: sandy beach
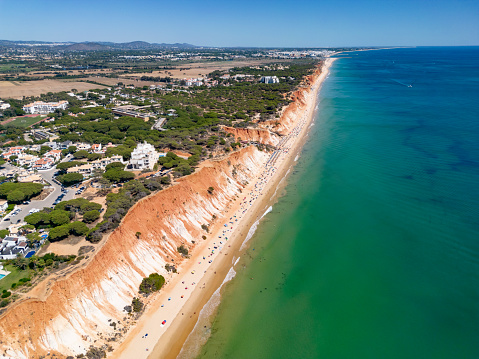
<point x="179" y="303"/>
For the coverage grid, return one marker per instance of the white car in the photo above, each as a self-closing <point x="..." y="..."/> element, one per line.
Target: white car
<point x="34" y="210"/>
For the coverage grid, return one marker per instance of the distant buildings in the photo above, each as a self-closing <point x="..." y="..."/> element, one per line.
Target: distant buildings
<point x="26" y="160"/>
<point x="54" y="154"/>
<point x="3" y="206"/>
<point x="143" y="157"/>
<point x="270" y="80"/>
<point x="129" y="112"/>
<point x="4" y="105"/>
<point x="194" y="82"/>
<point x="44" y="107"/>
<point x="159" y="124"/>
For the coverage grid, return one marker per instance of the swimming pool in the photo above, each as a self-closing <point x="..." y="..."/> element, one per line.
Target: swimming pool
<point x="2" y="275"/>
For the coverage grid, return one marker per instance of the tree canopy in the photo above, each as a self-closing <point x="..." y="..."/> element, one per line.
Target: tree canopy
<point x="17" y="192"/>
<point x="70" y="178"/>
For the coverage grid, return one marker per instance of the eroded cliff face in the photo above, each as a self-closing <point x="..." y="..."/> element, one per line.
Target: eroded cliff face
<point x="77" y="309"/>
<point x="259" y="135"/>
<point x="293" y="112"/>
<point x="270" y="132"/>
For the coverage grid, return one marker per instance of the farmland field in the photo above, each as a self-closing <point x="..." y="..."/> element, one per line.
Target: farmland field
<point x="18" y="89"/>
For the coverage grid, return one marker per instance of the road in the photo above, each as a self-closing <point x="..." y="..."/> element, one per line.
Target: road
<point x="47" y="202"/>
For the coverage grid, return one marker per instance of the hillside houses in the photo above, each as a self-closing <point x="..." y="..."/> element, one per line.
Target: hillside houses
<point x="54" y="154"/>
<point x="26" y="160"/>
<point x="10" y="247"/>
<point x="44" y="163"/>
<point x="87" y="169"/>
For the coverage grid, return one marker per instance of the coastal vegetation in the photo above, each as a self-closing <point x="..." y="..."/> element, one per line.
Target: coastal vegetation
<point x="152" y="283"/>
<point x="58" y="219"/>
<point x="25" y="271"/>
<point x="69" y="179"/>
<point x="15" y="192"/>
<point x="182" y="250"/>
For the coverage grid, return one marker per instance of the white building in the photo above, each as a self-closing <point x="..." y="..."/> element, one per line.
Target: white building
<point x="44" y="163"/>
<point x="26" y="159"/>
<point x="82" y="146"/>
<point x="55" y="154"/>
<point x="270" y="80"/>
<point x="4" y="105"/>
<point x="143" y="157"/>
<point x="88" y="168"/>
<point x="45" y="107"/>
<point x="3" y="206"/>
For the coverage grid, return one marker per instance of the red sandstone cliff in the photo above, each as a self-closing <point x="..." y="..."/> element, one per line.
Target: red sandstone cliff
<point x="78" y="308"/>
<point x="270" y="132"/>
<point x="259" y="135"/>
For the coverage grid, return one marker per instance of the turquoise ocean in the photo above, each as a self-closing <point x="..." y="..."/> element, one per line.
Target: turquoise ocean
<point x="372" y="251"/>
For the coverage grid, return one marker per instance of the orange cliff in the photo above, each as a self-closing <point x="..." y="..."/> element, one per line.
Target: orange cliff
<point x="78" y="310"/>
<point x="259" y="135"/>
<point x="270" y="132"/>
<point x="299" y="101"/>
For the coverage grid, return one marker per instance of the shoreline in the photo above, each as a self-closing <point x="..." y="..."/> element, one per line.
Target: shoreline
<point x="208" y="268"/>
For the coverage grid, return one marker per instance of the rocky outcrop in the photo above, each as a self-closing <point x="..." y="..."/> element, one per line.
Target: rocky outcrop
<point x="77" y="310"/>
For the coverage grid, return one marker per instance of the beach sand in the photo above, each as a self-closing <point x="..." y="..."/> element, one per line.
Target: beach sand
<point x="186" y="293"/>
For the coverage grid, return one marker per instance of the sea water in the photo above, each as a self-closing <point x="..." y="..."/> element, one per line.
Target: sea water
<point x="373" y="251"/>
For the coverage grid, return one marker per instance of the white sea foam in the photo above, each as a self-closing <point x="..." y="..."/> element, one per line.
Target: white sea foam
<point x="296" y="158"/>
<point x="253" y="228"/>
<point x="237" y="260"/>
<point x="279" y="183"/>
<point x="202" y="331"/>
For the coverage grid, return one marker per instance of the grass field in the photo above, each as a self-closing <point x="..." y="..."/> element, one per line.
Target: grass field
<point x="24" y="122"/>
<point x="15" y="275"/>
<point x="14" y="68"/>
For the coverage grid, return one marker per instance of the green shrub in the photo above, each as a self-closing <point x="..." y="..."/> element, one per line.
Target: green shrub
<point x="137" y="305"/>
<point x="78" y="228"/>
<point x="152" y="283"/>
<point x="91" y="216"/>
<point x="17" y="192"/>
<point x="183" y="250"/>
<point x="70" y="178"/>
<point x="59" y="233"/>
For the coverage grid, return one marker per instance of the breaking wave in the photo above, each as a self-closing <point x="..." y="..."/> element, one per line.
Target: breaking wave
<point x="253" y="228"/>
<point x="202" y="330"/>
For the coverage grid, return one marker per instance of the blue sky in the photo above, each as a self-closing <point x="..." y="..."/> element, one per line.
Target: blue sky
<point x="282" y="23"/>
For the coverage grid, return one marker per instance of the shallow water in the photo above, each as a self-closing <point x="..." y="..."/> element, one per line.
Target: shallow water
<point x="374" y="250"/>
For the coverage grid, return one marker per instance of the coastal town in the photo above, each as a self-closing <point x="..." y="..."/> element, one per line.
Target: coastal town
<point x="74" y="165"/>
<point x="226" y="179"/>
